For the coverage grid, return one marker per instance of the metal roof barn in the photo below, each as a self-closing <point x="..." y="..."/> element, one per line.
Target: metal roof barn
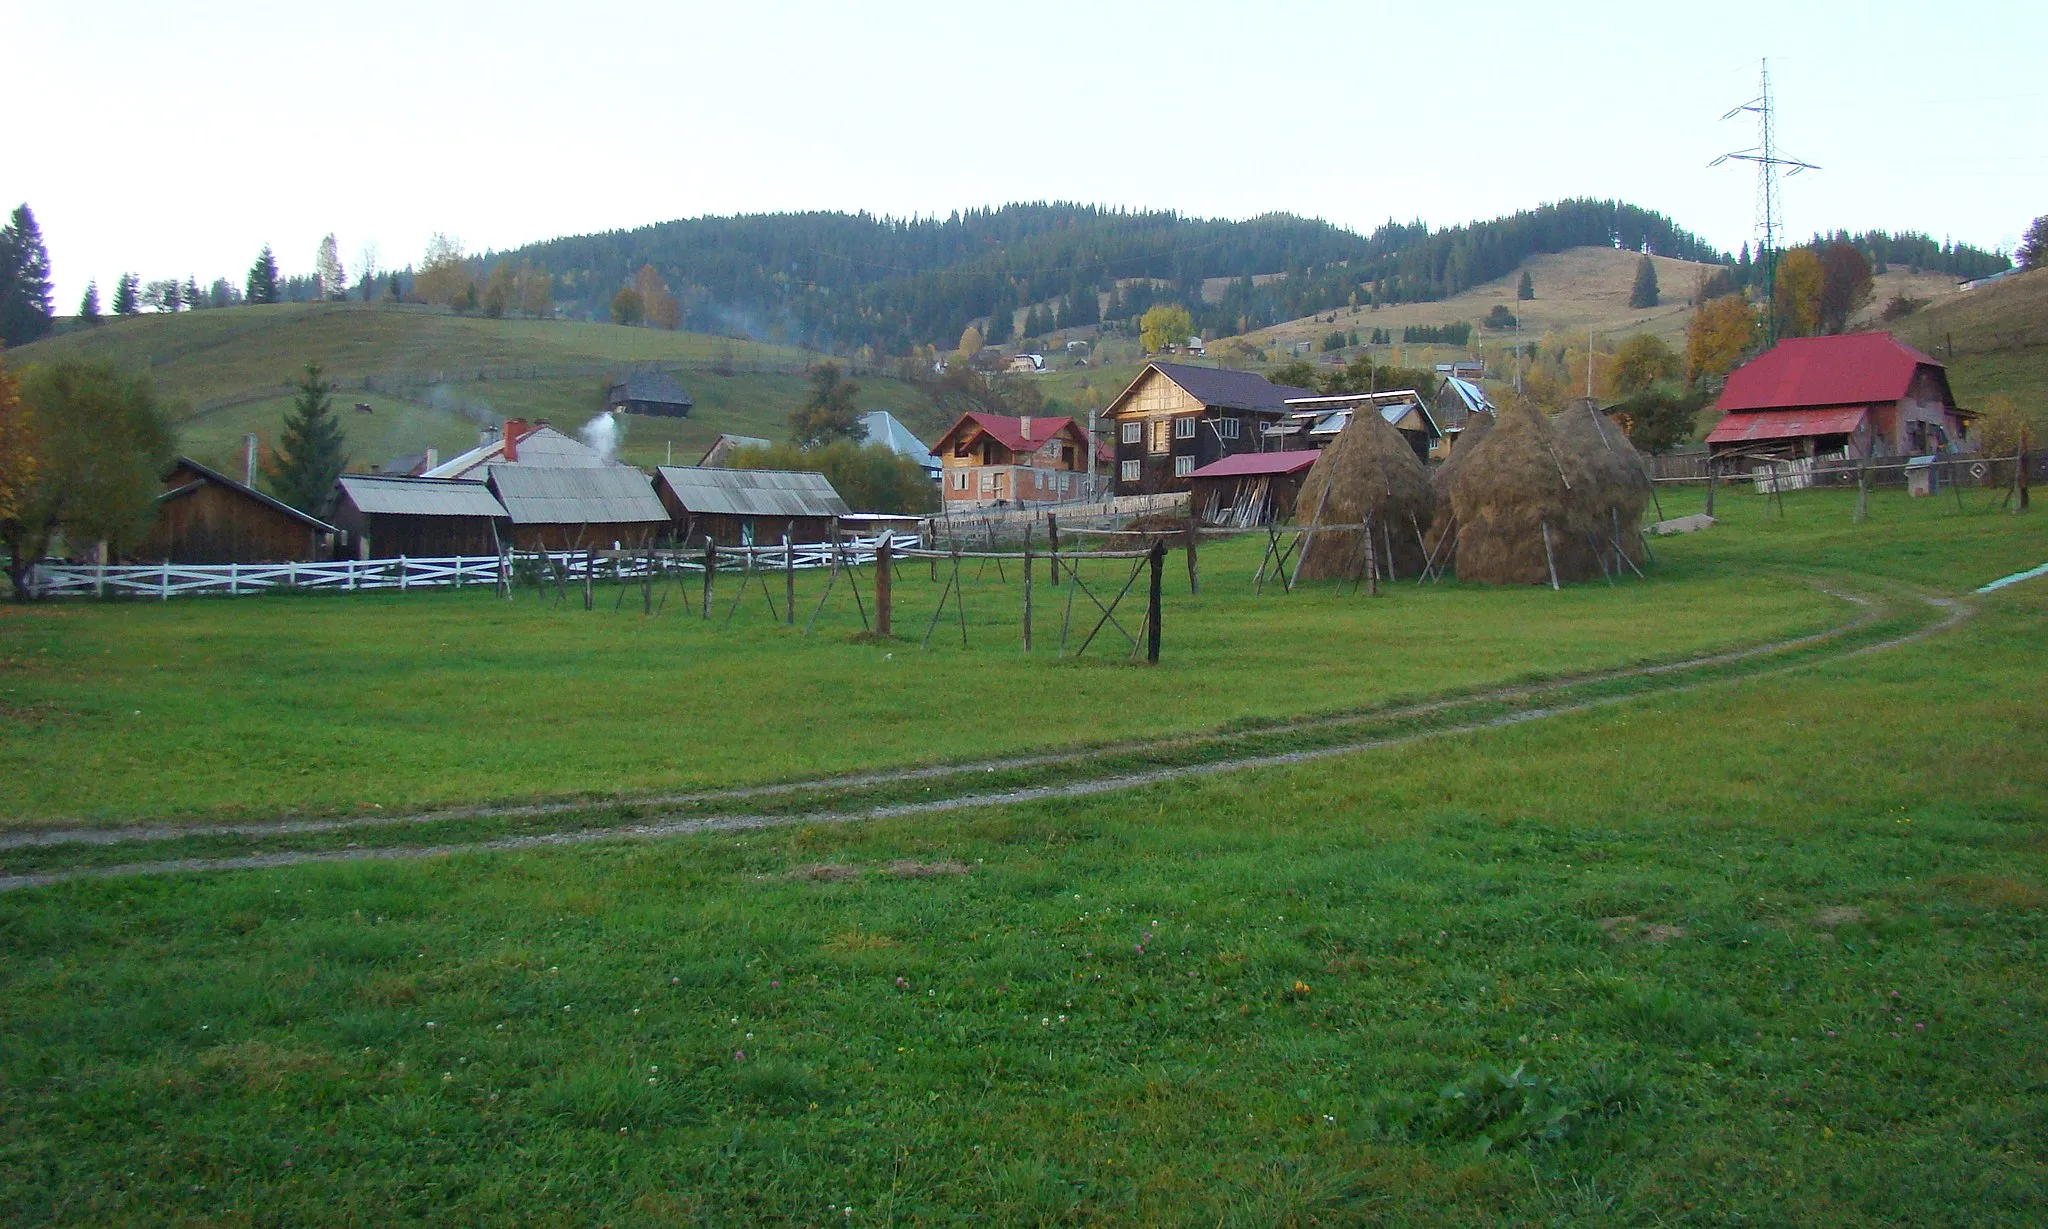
<point x="752" y="492"/>
<point x="379" y="495"/>
<point x="542" y="495"/>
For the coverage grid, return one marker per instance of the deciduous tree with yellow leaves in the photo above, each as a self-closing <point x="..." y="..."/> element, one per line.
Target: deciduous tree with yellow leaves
<point x="1797" y="299"/>
<point x="1721" y="332"/>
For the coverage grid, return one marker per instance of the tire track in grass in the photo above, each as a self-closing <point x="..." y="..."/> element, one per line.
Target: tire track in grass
<point x="30" y="838"/>
<point x="1954" y="613"/>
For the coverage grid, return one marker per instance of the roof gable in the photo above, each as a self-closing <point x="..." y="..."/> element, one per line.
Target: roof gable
<point x="395" y="495"/>
<point x="1848" y="369"/>
<point x="1008" y="430"/>
<point x="214" y="476"/>
<point x="1218" y="388"/>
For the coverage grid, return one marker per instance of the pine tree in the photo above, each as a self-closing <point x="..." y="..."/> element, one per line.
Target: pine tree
<point x="127" y="296"/>
<point x="1527" y="290"/>
<point x="25" y="312"/>
<point x="1001" y="319"/>
<point x="1644" y="292"/>
<point x="262" y="286"/>
<point x="89" y="306"/>
<point x="309" y="456"/>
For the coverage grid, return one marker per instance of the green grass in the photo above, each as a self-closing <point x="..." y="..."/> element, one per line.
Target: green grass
<point x="1769" y="951"/>
<point x="328" y="703"/>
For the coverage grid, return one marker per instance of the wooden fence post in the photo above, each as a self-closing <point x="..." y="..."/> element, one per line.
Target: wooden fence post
<point x="882" y="585"/>
<point x="1194" y="579"/>
<point x="2024" y="477"/>
<point x="1152" y="603"/>
<point x="788" y="581"/>
<point x="710" y="570"/>
<point x="1713" y="480"/>
<point x="167" y="582"/>
<point x="1052" y="542"/>
<point x="1027" y="591"/>
<point x="402" y="577"/>
<point x="589" y="576"/>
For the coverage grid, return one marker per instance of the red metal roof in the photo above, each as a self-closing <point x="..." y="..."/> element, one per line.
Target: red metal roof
<point x="1785" y="424"/>
<point x="1851" y="369"/>
<point x="1259" y="463"/>
<point x="1008" y="430"/>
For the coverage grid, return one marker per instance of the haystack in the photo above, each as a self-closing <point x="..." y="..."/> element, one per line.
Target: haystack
<point x="1620" y="487"/>
<point x="1477" y="426"/>
<point x="1518" y="487"/>
<point x="1368" y="474"/>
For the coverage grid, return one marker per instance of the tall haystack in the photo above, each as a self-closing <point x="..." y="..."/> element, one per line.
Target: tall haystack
<point x="1620" y="487"/>
<point x="1518" y="487"/>
<point x="1368" y="474"/>
<point x="1477" y="426"/>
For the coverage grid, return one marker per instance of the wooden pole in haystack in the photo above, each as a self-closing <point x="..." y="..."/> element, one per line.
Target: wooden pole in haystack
<point x="1549" y="558"/>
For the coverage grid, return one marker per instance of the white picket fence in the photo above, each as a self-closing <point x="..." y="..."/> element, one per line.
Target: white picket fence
<point x="164" y="581"/>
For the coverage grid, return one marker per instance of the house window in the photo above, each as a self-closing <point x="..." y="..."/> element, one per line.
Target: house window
<point x="959" y="479"/>
<point x="1134" y="432"/>
<point x="1183" y="428"/>
<point x="1227" y="428"/>
<point x="1183" y="466"/>
<point x="1161" y="434"/>
<point x="1066" y="483"/>
<point x="1131" y="469"/>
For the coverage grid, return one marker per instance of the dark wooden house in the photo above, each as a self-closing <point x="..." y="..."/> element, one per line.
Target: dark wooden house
<point x="649" y="392"/>
<point x="384" y="516"/>
<point x="741" y="507"/>
<point x="1176" y="418"/>
<point x="204" y="516"/>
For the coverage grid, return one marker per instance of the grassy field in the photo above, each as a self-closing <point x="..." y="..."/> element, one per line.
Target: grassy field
<point x="1764" y="951"/>
<point x="148" y="710"/>
<point x="232" y="371"/>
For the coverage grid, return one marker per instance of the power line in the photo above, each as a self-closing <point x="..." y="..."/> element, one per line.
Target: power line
<point x="1770" y="214"/>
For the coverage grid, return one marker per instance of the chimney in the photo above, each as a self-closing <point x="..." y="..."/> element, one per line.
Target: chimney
<point x="249" y="459"/>
<point x="514" y="429"/>
<point x="486" y="436"/>
<point x="1025" y="426"/>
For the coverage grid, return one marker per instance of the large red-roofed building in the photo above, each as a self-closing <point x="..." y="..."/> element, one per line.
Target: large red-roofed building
<point x="1865" y="394"/>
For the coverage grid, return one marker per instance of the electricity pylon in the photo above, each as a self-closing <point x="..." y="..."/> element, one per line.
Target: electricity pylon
<point x="1770" y="165"/>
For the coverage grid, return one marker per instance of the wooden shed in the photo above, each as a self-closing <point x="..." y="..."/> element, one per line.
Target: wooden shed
<point x="1249" y="488"/>
<point x="579" y="509"/>
<point x="204" y="516"/>
<point x="383" y="516"/>
<point x="649" y="392"/>
<point x="747" y="506"/>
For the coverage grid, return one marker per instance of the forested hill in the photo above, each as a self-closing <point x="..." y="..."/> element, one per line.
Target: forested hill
<point x="840" y="281"/>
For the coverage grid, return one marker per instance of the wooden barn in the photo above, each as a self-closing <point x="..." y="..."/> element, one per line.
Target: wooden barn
<point x="1854" y="394"/>
<point x="1249" y="488"/>
<point x="602" y="508"/>
<point x="384" y="516"/>
<point x="204" y="516"/>
<point x="649" y="392"/>
<point x="748" y="506"/>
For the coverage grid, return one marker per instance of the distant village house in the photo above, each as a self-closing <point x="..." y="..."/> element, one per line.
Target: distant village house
<point x="999" y="459"/>
<point x="649" y="392"/>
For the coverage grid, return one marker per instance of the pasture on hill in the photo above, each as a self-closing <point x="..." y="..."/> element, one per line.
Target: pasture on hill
<point x="1756" y="941"/>
<point x="232" y="371"/>
<point x="1994" y="339"/>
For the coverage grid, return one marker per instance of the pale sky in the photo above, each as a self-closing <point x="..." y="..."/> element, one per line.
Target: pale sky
<point x="176" y="139"/>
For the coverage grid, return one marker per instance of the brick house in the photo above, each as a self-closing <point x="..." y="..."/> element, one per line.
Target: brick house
<point x="1176" y="418"/>
<point x="1866" y="394"/>
<point x="1000" y="459"/>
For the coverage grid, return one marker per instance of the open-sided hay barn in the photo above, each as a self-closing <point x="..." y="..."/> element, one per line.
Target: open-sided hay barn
<point x="204" y="516"/>
<point x="1370" y="475"/>
<point x="1249" y="488"/>
<point x="748" y="506"/>
<point x="579" y="509"/>
<point x="385" y="516"/>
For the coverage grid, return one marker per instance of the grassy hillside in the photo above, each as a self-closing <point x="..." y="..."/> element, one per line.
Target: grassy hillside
<point x="1994" y="339"/>
<point x="230" y="372"/>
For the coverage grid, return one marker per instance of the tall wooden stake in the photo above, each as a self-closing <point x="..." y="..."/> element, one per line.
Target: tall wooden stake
<point x="2024" y="477"/>
<point x="1549" y="558"/>
<point x="1052" y="542"/>
<point x="1027" y="590"/>
<point x="788" y="581"/>
<point x="1372" y="562"/>
<point x="710" y="570"/>
<point x="1152" y="604"/>
<point x="882" y="585"/>
<point x="1194" y="578"/>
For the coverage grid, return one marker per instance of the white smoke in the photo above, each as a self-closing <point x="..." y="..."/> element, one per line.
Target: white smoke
<point x="604" y="434"/>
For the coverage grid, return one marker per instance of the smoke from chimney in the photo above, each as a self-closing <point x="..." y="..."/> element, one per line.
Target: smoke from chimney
<point x="249" y="459"/>
<point x="604" y="433"/>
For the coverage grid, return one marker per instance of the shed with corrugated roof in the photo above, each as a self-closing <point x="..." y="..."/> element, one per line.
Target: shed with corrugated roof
<point x="611" y="507"/>
<point x="744" y="506"/>
<point x="387" y="515"/>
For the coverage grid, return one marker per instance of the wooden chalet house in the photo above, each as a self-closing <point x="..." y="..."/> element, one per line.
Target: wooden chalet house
<point x="1859" y="394"/>
<point x="993" y="459"/>
<point x="1176" y="418"/>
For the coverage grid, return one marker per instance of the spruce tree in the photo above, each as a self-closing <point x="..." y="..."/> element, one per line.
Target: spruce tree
<point x="1000" y="321"/>
<point x="1644" y="292"/>
<point x="309" y="456"/>
<point x="89" y="306"/>
<point x="262" y="287"/>
<point x="127" y="302"/>
<point x="25" y="312"/>
<point x="1527" y="290"/>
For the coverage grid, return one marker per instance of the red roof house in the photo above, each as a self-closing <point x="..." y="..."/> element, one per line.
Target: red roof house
<point x="1868" y="394"/>
<point x="1004" y="459"/>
